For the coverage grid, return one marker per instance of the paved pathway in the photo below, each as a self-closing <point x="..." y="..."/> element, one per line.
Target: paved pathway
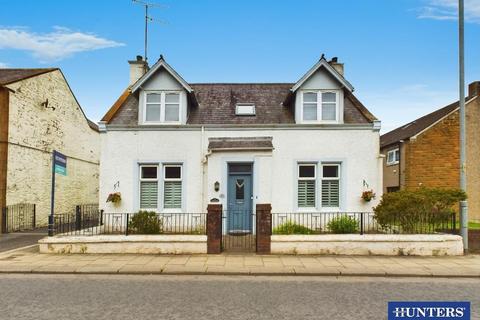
<point x="9" y="241"/>
<point x="34" y="262"/>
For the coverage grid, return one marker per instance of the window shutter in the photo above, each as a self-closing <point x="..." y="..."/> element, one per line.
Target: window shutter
<point x="330" y="193"/>
<point x="306" y="193"/>
<point x="148" y="194"/>
<point x="172" y="194"/>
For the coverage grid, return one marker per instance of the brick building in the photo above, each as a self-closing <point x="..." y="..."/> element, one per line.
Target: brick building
<point x="39" y="113"/>
<point x="425" y="152"/>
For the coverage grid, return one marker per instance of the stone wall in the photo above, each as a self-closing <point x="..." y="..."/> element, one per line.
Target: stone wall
<point x="34" y="131"/>
<point x="119" y="244"/>
<point x="371" y="244"/>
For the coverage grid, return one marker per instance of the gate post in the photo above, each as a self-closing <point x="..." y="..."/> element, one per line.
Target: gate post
<point x="264" y="227"/>
<point x="34" y="217"/>
<point x="3" y="221"/>
<point x="214" y="228"/>
<point x="78" y="218"/>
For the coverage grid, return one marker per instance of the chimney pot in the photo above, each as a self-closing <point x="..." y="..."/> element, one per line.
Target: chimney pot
<point x="336" y="65"/>
<point x="138" y="68"/>
<point x="474" y="89"/>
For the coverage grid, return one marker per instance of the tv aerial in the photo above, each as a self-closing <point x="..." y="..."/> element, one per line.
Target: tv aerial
<point x="149" y="19"/>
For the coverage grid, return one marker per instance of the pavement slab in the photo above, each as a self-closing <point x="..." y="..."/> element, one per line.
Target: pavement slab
<point x="248" y="264"/>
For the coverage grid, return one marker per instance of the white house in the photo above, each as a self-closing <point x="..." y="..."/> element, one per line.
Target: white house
<point x="173" y="146"/>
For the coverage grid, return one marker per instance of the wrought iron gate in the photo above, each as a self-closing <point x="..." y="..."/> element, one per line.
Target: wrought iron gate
<point x="238" y="231"/>
<point x="18" y="217"/>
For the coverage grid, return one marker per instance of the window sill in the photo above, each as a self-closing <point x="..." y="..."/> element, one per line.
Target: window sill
<point x="392" y="163"/>
<point x="320" y="122"/>
<point x="160" y="123"/>
<point x="167" y="211"/>
<point x="307" y="210"/>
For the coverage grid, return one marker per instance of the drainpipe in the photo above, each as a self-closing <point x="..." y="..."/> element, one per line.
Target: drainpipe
<point x="400" y="147"/>
<point x="204" y="160"/>
<point x="202" y="139"/>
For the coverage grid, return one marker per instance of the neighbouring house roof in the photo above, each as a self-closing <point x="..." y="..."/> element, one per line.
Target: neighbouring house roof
<point x="240" y="143"/>
<point x="9" y="75"/>
<point x="416" y="126"/>
<point x="12" y="75"/>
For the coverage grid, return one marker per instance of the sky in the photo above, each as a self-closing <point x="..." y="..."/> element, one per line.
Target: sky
<point x="400" y="55"/>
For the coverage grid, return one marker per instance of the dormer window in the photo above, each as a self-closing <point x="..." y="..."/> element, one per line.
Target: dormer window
<point x="320" y="106"/>
<point x="162" y="107"/>
<point x="245" y="109"/>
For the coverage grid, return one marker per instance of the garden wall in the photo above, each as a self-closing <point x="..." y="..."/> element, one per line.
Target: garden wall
<point x="120" y="244"/>
<point x="375" y="244"/>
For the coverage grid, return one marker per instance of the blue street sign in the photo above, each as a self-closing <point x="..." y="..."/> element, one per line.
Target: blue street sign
<point x="60" y="163"/>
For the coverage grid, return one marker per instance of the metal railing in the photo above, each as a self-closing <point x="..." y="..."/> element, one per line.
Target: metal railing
<point x="101" y="223"/>
<point x="18" y="217"/>
<point x="359" y="223"/>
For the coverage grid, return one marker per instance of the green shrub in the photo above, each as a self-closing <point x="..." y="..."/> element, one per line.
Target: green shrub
<point x="343" y="224"/>
<point x="413" y="211"/>
<point x="145" y="222"/>
<point x="291" y="227"/>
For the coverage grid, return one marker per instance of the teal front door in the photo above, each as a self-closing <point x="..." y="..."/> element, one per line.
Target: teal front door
<point x="239" y="197"/>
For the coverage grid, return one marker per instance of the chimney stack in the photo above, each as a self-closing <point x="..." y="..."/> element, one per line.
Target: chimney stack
<point x="138" y="68"/>
<point x="474" y="89"/>
<point x="336" y="65"/>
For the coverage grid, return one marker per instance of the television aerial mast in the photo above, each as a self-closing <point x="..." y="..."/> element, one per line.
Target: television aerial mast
<point x="148" y="19"/>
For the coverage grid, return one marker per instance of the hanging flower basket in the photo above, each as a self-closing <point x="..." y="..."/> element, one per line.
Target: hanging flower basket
<point x="114" y="197"/>
<point x="368" y="195"/>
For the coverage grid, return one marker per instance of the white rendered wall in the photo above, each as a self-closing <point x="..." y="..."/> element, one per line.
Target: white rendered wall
<point x="275" y="172"/>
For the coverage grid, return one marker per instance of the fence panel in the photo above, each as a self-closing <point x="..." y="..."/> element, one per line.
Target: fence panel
<point x="97" y="222"/>
<point x="360" y="223"/>
<point x="19" y="217"/>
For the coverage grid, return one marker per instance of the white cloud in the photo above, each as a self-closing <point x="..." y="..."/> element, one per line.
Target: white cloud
<point x="448" y="10"/>
<point x="3" y="65"/>
<point x="56" y="45"/>
<point x="401" y="105"/>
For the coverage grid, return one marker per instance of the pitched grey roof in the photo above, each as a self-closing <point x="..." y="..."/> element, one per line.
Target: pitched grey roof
<point x="217" y="101"/>
<point x="215" y="104"/>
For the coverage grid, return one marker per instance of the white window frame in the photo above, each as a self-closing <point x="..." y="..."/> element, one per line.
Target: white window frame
<point x="339" y="178"/>
<point x="314" y="178"/>
<point x="320" y="106"/>
<point x="140" y="166"/>
<point x="165" y="179"/>
<point x="162" y="106"/>
<point x="396" y="159"/>
<point x="240" y="113"/>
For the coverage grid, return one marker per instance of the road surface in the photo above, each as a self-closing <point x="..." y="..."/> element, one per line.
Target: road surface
<point x="218" y="297"/>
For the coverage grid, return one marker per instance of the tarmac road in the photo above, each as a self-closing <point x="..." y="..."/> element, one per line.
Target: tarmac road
<point x="28" y="296"/>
